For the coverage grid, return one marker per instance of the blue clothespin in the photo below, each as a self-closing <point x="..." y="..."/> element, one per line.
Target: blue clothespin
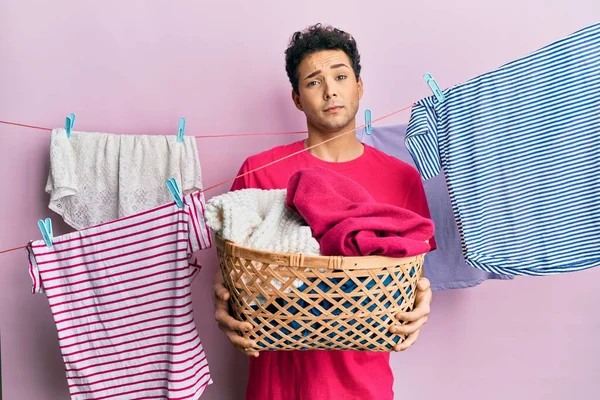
<point x="46" y="229"/>
<point x="181" y="130"/>
<point x="368" y="126"/>
<point x="175" y="192"/>
<point x="70" y="121"/>
<point x="434" y="87"/>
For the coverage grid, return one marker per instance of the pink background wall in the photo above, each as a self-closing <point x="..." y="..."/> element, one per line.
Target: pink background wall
<point x="137" y="66"/>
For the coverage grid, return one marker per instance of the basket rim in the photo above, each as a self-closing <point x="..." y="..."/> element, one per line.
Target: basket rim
<point x="299" y="260"/>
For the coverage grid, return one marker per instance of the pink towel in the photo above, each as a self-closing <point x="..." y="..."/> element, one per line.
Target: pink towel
<point x="347" y="221"/>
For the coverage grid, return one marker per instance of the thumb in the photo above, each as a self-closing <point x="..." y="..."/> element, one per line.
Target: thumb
<point x="423" y="284"/>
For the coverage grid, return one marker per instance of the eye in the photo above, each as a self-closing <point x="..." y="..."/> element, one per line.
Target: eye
<point x="312" y="83"/>
<point x="342" y="76"/>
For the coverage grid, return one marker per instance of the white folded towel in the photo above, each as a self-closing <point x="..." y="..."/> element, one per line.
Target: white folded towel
<point x="259" y="219"/>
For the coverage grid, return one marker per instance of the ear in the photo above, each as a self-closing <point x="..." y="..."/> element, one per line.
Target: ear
<point x="360" y="88"/>
<point x="296" y="100"/>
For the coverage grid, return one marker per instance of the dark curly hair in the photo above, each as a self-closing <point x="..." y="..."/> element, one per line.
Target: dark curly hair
<point x="316" y="38"/>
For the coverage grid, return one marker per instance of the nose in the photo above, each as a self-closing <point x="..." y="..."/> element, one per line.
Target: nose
<point x="328" y="91"/>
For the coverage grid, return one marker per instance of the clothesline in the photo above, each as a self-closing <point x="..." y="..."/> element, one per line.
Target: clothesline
<point x="196" y="136"/>
<point x="253" y="170"/>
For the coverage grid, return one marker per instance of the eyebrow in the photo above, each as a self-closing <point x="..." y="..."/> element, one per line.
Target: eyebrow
<point x="334" y="66"/>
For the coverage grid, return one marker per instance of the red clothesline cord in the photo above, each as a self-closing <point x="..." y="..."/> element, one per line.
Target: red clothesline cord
<point x="14" y="249"/>
<point x="196" y="136"/>
<point x="253" y="170"/>
<point x="26" y="126"/>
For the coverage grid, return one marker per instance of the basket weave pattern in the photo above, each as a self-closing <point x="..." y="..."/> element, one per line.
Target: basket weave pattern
<point x="342" y="303"/>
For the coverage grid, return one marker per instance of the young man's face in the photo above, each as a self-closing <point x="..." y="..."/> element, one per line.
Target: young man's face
<point x="328" y="90"/>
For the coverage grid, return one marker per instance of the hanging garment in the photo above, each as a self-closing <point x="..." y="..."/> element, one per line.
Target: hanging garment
<point x="445" y="267"/>
<point x="100" y="177"/>
<point x="520" y="149"/>
<point x="121" y="299"/>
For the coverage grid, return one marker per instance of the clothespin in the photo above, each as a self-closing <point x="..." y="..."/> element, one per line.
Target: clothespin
<point x="175" y="192"/>
<point x="368" y="126"/>
<point x="46" y="229"/>
<point x="70" y="121"/>
<point x="181" y="130"/>
<point x="434" y="87"/>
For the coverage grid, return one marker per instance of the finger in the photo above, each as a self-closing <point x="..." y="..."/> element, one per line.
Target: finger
<point x="220" y="292"/>
<point x="422" y="307"/>
<point x="409" y="341"/>
<point x="250" y="352"/>
<point x="419" y="312"/>
<point x="423" y="284"/>
<point x="229" y="323"/>
<point x="244" y="345"/>
<point x="240" y="342"/>
<point x="409" y="328"/>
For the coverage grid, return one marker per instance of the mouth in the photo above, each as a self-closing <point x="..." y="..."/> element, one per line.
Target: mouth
<point x="333" y="108"/>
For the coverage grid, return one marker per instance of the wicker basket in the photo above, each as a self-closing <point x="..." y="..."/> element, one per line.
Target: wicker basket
<point x="298" y="302"/>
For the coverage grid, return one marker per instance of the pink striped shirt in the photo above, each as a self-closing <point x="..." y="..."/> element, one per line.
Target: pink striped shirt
<point x="121" y="299"/>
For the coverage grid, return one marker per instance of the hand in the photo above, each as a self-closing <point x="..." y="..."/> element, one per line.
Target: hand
<point x="227" y="323"/>
<point x="416" y="318"/>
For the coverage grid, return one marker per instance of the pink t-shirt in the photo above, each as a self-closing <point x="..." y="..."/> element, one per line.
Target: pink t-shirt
<point x="320" y="374"/>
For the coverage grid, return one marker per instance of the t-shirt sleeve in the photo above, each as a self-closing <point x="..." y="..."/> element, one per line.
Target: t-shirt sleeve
<point x="416" y="201"/>
<point x="34" y="271"/>
<point x="421" y="138"/>
<point x="198" y="231"/>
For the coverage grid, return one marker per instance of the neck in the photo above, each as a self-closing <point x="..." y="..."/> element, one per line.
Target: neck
<point x="342" y="149"/>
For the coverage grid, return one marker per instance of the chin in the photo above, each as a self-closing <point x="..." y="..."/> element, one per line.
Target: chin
<point x="333" y="127"/>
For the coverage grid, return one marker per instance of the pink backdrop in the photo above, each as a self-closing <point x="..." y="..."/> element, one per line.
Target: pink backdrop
<point x="137" y="66"/>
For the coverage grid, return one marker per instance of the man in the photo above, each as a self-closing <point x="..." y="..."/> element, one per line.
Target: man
<point x="323" y="65"/>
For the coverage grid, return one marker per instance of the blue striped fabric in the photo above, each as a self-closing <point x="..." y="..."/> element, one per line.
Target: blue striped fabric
<point x="520" y="150"/>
